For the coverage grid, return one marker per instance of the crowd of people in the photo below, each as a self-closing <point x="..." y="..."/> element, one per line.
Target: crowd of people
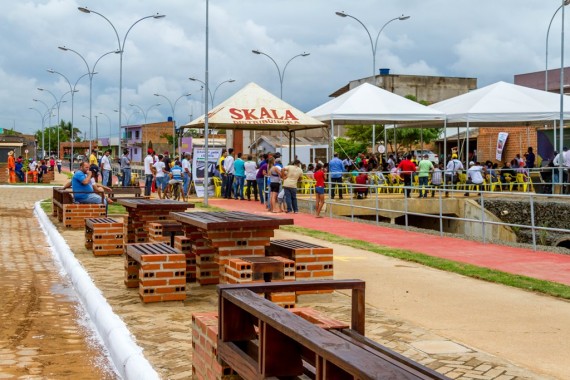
<point x="21" y="170"/>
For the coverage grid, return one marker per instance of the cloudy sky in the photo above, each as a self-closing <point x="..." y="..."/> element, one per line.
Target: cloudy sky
<point x="487" y="39"/>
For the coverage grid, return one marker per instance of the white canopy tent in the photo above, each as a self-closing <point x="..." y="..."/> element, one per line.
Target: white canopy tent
<point x="369" y="104"/>
<point x="501" y="104"/>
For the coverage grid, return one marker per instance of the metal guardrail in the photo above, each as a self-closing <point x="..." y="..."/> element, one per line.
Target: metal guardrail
<point x="374" y="190"/>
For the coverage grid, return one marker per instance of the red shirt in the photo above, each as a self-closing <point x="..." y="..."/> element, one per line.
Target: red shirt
<point x="407" y="167"/>
<point x="319" y="176"/>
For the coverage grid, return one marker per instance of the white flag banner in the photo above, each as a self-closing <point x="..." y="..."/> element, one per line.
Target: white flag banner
<point x="501" y="141"/>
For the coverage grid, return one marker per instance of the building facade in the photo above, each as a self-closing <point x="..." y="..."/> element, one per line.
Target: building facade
<point x="138" y="138"/>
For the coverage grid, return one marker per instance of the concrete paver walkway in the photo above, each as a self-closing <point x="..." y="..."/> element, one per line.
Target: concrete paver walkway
<point x="42" y="335"/>
<point x="537" y="264"/>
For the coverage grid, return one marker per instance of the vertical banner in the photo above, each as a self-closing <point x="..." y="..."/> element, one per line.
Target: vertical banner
<point x="501" y="141"/>
<point x="199" y="165"/>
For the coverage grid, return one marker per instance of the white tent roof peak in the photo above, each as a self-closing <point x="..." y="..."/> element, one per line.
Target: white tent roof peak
<point x="369" y="104"/>
<point x="254" y="108"/>
<point x="502" y="102"/>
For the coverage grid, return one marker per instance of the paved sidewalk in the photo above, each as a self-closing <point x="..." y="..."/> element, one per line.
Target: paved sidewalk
<point x="43" y="334"/>
<point x="537" y="264"/>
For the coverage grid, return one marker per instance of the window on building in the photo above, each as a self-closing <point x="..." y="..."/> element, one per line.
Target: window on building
<point x="130" y="135"/>
<point x="137" y="135"/>
<point x="136" y="151"/>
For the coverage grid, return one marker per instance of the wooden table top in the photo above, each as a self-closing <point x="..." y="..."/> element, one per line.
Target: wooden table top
<point x="214" y="220"/>
<point x="159" y="204"/>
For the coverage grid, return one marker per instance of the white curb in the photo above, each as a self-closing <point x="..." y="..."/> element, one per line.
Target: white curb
<point x="126" y="355"/>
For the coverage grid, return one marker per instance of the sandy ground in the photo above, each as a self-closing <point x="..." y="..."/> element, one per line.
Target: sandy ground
<point x="43" y="334"/>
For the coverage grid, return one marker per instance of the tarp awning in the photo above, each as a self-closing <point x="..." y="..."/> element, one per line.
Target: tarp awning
<point x="253" y="108"/>
<point x="503" y="103"/>
<point x="369" y="104"/>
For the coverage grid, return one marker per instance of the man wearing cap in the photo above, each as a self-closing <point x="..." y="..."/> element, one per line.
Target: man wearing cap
<point x="451" y="171"/>
<point x="12" y="166"/>
<point x="106" y="167"/>
<point x="475" y="175"/>
<point x="148" y="175"/>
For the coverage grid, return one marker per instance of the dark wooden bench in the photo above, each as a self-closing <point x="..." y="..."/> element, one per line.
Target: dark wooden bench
<point x="71" y="214"/>
<point x="258" y="339"/>
<point x="126" y="192"/>
<point x="164" y="231"/>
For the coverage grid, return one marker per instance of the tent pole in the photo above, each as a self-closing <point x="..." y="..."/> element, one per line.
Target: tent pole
<point x="373" y="137"/>
<point x="467" y="147"/>
<point x="385" y="145"/>
<point x="290" y="148"/>
<point x="331" y="155"/>
<point x="444" y="151"/>
<point x="395" y="150"/>
<point x="554" y="135"/>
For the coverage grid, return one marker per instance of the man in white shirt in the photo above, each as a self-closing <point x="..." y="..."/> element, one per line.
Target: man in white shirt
<point x="106" y="168"/>
<point x="186" y="173"/>
<point x="250" y="177"/>
<point x="160" y="175"/>
<point x="451" y="171"/>
<point x="230" y="171"/>
<point x="474" y="175"/>
<point x="148" y="162"/>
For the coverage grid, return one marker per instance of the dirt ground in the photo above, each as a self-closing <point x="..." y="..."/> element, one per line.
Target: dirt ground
<point x="43" y="334"/>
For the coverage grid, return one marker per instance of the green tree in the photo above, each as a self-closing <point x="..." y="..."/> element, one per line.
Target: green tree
<point x="50" y="139"/>
<point x="405" y="138"/>
<point x="348" y="147"/>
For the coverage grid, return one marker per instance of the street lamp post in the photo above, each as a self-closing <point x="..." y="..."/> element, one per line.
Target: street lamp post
<point x="73" y="91"/>
<point x="91" y="72"/>
<point x="121" y="51"/>
<point x="48" y="110"/>
<point x="43" y="130"/>
<point x="110" y="126"/>
<point x="281" y="73"/>
<point x="374" y="47"/>
<point x="58" y="105"/>
<point x="142" y="111"/>
<point x="173" y="108"/>
<point x="212" y="95"/>
<point x="561" y="144"/>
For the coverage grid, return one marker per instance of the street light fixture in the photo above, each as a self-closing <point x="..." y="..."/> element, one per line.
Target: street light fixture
<point x="173" y="108"/>
<point x="110" y="126"/>
<point x="43" y="130"/>
<point x="91" y="72"/>
<point x="546" y="58"/>
<point x="121" y="50"/>
<point x="212" y="95"/>
<point x="145" y="114"/>
<point x="58" y="106"/>
<point x="73" y="91"/>
<point x="374" y="47"/>
<point x="281" y="74"/>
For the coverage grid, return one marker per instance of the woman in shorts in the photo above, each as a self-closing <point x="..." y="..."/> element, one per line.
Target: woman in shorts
<point x="319" y="177"/>
<point x="274" y="182"/>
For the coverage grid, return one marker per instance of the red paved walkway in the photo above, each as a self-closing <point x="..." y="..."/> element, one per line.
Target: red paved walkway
<point x="536" y="264"/>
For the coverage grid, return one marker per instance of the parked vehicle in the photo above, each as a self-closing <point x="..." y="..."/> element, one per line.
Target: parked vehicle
<point x="431" y="155"/>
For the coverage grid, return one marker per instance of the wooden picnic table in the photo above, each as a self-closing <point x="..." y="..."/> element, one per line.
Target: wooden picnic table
<point x="144" y="211"/>
<point x="218" y="237"/>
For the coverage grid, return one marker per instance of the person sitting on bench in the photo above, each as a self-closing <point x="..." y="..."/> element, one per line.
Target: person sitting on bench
<point x="83" y="191"/>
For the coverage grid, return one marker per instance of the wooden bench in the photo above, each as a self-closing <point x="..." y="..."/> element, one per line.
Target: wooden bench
<point x="71" y="214"/>
<point x="258" y="339"/>
<point x="158" y="270"/>
<point x="104" y="236"/>
<point x="126" y="192"/>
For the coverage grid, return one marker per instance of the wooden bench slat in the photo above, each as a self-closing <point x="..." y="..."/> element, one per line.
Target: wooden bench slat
<point x="351" y="358"/>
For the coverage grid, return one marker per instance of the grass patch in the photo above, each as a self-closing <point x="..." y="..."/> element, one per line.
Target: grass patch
<point x="47" y="206"/>
<point x="209" y="207"/>
<point x="114" y="208"/>
<point x="517" y="281"/>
